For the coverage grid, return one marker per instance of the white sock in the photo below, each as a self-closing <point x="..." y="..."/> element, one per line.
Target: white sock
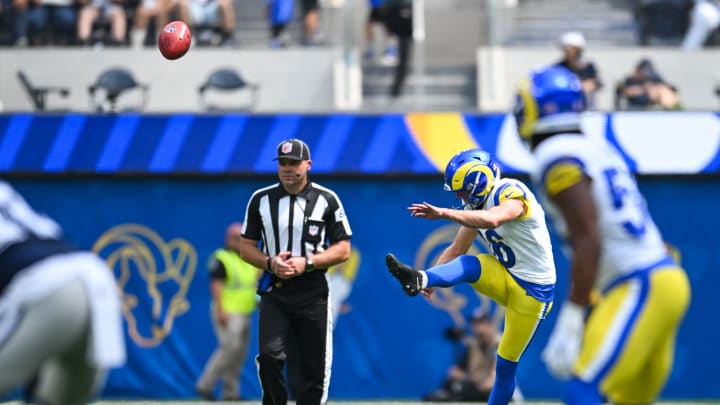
<point x="423" y="279"/>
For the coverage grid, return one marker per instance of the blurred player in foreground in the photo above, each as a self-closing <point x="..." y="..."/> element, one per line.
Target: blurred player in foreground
<point x="519" y="275"/>
<point x="60" y="316"/>
<point x="624" y="349"/>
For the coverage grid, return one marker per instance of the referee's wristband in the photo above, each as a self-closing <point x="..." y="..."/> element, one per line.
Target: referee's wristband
<point x="269" y="265"/>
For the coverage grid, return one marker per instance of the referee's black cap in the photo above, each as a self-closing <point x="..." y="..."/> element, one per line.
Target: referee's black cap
<point x="293" y="149"/>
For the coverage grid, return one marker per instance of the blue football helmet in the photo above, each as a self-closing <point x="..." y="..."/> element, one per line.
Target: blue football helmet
<point x="549" y="101"/>
<point x="473" y="171"/>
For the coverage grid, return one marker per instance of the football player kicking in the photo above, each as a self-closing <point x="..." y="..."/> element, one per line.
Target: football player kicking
<point x="520" y="272"/>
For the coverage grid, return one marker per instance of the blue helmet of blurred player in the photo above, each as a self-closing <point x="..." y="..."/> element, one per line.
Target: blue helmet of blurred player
<point x="549" y="101"/>
<point x="471" y="174"/>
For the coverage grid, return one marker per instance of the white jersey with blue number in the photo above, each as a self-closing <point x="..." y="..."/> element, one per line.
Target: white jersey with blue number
<point x="522" y="245"/>
<point x="630" y="238"/>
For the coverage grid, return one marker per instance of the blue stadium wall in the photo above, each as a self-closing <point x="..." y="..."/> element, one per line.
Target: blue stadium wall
<point x="155" y="204"/>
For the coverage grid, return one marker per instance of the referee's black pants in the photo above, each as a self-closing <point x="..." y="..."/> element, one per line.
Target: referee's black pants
<point x="300" y="307"/>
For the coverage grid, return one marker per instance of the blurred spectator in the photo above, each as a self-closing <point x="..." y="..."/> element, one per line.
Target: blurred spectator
<point x="205" y="15"/>
<point x="662" y="22"/>
<point x="645" y="89"/>
<point x="573" y="45"/>
<point x="399" y="21"/>
<point x="340" y="282"/>
<point x="374" y="18"/>
<point x="376" y="22"/>
<point x="6" y="22"/>
<point x="37" y="22"/>
<point x="279" y="13"/>
<point x="311" y="23"/>
<point x="704" y="19"/>
<point x="472" y="378"/>
<point x="159" y="10"/>
<point x="111" y="12"/>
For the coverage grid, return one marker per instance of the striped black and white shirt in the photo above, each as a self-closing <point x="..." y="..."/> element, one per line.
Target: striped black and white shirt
<point x="302" y="224"/>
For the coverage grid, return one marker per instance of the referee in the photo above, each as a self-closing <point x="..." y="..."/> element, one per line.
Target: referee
<point x="303" y="230"/>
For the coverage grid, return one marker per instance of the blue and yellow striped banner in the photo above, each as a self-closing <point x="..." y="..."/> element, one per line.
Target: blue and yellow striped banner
<point x="181" y="143"/>
<point x="342" y="143"/>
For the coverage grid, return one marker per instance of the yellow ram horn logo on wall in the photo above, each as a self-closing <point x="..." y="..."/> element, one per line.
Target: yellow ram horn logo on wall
<point x="153" y="277"/>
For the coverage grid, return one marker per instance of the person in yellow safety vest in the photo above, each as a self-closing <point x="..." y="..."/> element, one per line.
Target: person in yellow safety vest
<point x="232" y="286"/>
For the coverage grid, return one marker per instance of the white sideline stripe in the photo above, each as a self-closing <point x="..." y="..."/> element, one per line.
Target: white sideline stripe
<point x="328" y="352"/>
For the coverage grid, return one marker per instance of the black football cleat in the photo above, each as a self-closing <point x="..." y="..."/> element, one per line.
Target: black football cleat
<point x="410" y="280"/>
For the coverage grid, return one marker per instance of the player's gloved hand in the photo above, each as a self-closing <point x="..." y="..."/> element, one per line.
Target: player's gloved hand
<point x="563" y="347"/>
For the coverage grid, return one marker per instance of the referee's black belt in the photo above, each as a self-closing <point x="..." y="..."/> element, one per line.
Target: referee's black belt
<point x="299" y="280"/>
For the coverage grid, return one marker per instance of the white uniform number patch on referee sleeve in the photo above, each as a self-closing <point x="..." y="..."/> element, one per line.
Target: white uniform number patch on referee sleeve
<point x="341" y="218"/>
<point x="339" y="215"/>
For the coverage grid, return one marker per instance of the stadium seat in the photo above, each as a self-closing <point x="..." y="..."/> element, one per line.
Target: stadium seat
<point x="114" y="82"/>
<point x="38" y="95"/>
<point x="228" y="80"/>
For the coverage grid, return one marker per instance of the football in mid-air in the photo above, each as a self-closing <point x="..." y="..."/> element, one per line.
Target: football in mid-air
<point x="174" y="40"/>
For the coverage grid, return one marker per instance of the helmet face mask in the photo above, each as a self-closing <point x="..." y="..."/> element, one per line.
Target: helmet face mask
<point x="550" y="101"/>
<point x="471" y="175"/>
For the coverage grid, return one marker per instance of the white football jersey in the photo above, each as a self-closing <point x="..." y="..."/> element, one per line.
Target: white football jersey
<point x="522" y="245"/>
<point x="630" y="239"/>
<point x="19" y="222"/>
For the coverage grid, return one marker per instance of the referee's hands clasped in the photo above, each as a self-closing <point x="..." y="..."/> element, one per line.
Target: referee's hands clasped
<point x="285" y="266"/>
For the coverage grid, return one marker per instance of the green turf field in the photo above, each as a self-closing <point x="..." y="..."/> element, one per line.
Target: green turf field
<point x="379" y="402"/>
